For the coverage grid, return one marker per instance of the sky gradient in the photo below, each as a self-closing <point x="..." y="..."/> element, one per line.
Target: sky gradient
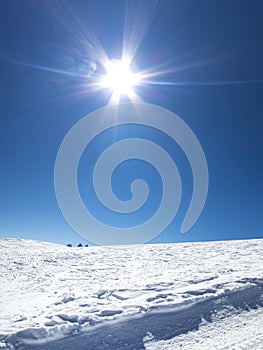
<point x="210" y="54"/>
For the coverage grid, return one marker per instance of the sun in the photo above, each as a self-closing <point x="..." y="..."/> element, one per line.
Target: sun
<point x="119" y="79"/>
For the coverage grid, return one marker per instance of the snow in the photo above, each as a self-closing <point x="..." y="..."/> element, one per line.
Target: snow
<point x="205" y="295"/>
<point x="240" y="332"/>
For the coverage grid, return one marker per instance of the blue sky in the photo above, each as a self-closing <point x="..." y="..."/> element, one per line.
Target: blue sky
<point x="212" y="52"/>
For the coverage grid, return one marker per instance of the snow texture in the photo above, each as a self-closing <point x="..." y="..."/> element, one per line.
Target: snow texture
<point x="190" y="295"/>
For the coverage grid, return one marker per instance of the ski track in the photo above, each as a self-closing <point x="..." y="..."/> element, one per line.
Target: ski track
<point x="136" y="297"/>
<point x="241" y="331"/>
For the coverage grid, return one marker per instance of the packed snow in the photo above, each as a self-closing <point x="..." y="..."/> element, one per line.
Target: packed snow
<point x="193" y="296"/>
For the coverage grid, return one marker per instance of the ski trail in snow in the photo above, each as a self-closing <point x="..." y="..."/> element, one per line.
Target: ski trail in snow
<point x="237" y="332"/>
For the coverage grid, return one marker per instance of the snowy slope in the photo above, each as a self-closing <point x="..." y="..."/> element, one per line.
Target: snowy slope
<point x="135" y="297"/>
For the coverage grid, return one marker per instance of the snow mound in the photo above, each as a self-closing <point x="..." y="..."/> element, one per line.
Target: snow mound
<point x="56" y="297"/>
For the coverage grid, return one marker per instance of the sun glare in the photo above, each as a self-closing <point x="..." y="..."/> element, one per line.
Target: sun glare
<point x="119" y="79"/>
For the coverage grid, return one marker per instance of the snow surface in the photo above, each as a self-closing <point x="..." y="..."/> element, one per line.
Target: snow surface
<point x="191" y="296"/>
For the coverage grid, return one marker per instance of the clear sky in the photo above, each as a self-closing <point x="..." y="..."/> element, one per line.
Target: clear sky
<point x="210" y="54"/>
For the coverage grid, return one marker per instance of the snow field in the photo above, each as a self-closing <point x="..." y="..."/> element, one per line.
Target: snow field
<point x="133" y="297"/>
